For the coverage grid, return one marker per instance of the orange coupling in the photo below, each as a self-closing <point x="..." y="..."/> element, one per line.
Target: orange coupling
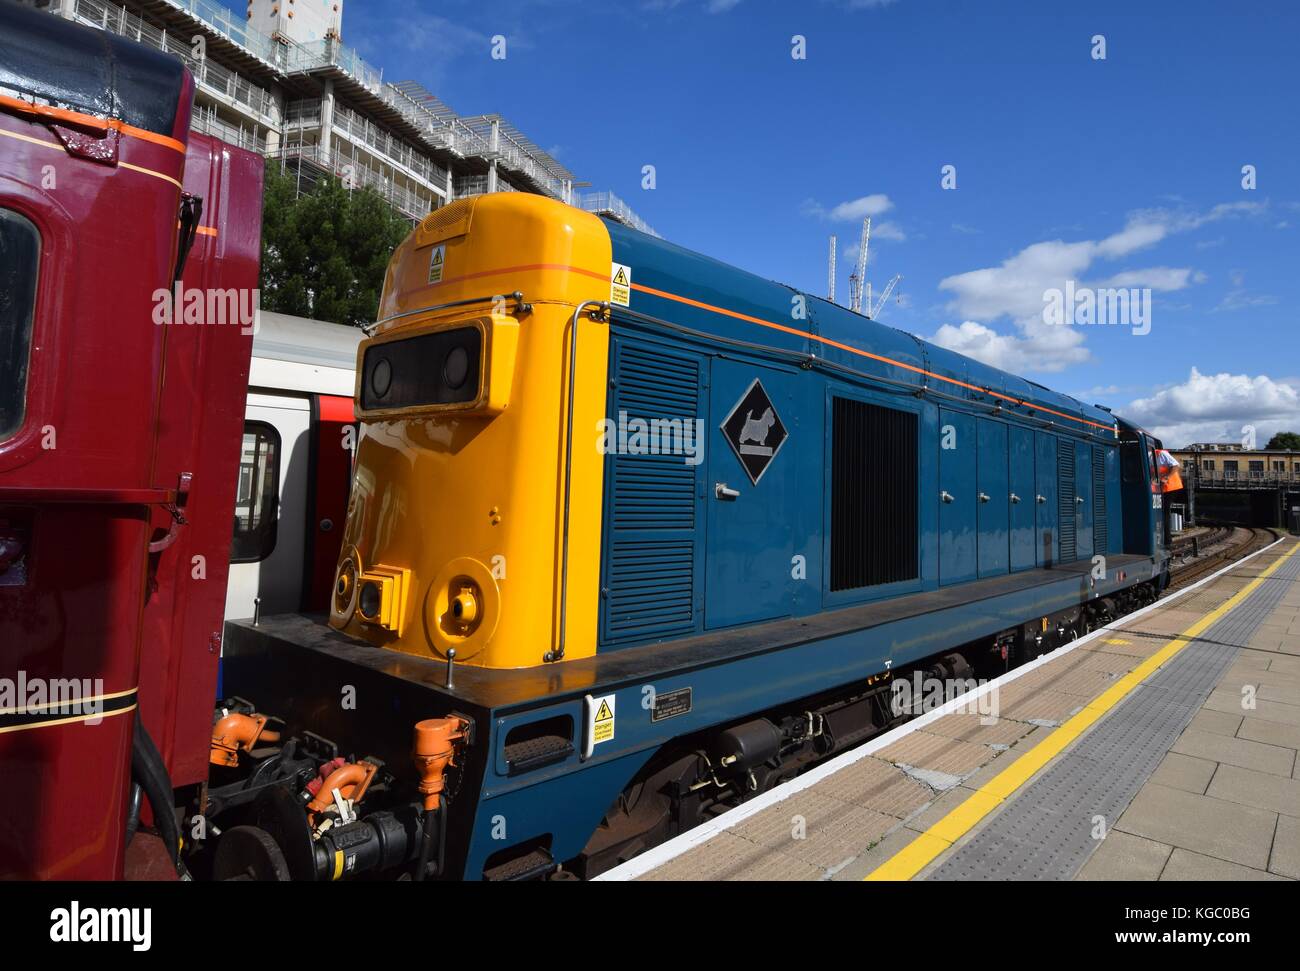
<point x="350" y="779"/>
<point x="234" y="732"/>
<point x="434" y="750"/>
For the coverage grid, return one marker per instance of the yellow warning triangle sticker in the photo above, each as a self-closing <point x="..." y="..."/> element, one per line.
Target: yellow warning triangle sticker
<point x="437" y="256"/>
<point x="603" y="713"/>
<point x="620" y="277"/>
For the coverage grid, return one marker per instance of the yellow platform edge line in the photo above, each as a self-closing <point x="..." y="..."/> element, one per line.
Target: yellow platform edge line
<point x="917" y="855"/>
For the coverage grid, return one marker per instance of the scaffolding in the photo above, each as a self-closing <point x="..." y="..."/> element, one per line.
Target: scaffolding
<point x="486" y="141"/>
<point x="608" y="204"/>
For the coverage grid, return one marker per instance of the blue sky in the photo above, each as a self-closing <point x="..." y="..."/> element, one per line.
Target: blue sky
<point x="1125" y="171"/>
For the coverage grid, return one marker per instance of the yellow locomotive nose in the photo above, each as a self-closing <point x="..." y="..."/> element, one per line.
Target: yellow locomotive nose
<point x="454" y="536"/>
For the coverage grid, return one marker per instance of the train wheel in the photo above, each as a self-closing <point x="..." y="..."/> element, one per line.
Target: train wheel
<point x="249" y="853"/>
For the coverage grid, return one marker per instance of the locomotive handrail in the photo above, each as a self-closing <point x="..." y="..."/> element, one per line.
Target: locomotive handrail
<point x="521" y="307"/>
<point x="603" y="311"/>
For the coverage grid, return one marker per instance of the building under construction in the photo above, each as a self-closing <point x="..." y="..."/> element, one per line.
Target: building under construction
<point x="281" y="82"/>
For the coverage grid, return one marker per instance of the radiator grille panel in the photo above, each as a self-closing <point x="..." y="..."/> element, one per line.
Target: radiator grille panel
<point x="649" y="587"/>
<point x="1065" y="508"/>
<point x="1100" y="525"/>
<point x="873" y="495"/>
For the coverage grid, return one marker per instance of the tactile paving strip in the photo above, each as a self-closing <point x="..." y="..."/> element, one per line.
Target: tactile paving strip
<point x="1047" y="831"/>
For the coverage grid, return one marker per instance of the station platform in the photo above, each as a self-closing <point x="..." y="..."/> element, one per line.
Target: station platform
<point x="1163" y="747"/>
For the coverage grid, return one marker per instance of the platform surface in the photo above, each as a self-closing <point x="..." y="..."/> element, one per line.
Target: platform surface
<point x="1164" y="747"/>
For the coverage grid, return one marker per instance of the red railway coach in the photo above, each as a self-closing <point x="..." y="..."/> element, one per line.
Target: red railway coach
<point x="199" y="427"/>
<point x="118" y="436"/>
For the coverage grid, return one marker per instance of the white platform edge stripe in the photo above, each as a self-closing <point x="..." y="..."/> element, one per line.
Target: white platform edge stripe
<point x="657" y="856"/>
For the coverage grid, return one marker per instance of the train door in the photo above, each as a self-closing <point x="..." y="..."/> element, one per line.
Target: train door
<point x="1021" y="499"/>
<point x="333" y="440"/>
<point x="1083" y="500"/>
<point x="1047" y="546"/>
<point x="270" y="526"/>
<point x="752" y="487"/>
<point x="957" y="500"/>
<point x="991" y="513"/>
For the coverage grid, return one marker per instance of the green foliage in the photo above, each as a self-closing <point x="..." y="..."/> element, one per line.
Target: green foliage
<point x="324" y="253"/>
<point x="1285" y="441"/>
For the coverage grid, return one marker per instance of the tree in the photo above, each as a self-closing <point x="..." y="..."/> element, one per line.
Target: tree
<point x="324" y="252"/>
<point x="1285" y="441"/>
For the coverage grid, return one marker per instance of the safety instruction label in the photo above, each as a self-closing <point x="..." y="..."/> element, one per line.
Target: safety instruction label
<point x="602" y="719"/>
<point x="620" y="284"/>
<point x="670" y="704"/>
<point x="437" y="259"/>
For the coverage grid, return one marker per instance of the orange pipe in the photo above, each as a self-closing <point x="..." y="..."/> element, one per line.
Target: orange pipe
<point x="235" y="732"/>
<point x="434" y="750"/>
<point x="353" y="775"/>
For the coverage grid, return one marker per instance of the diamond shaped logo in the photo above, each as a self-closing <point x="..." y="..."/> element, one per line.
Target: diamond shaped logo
<point x="754" y="431"/>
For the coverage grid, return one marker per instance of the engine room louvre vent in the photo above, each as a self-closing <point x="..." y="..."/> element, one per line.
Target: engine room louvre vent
<point x="449" y="221"/>
<point x="1065" y="496"/>
<point x="651" y="589"/>
<point x="1100" y="525"/>
<point x="656" y="399"/>
<point x="649" y="577"/>
<point x="873" y="495"/>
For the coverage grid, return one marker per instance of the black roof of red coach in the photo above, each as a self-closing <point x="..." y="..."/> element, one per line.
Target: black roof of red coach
<point x="88" y="70"/>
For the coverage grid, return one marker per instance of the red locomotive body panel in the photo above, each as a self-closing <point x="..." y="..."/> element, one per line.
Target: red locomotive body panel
<point x="202" y="414"/>
<point x="77" y="475"/>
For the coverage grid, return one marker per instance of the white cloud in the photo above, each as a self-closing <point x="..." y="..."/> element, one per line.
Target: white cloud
<point x="854" y="210"/>
<point x="1098" y="392"/>
<point x="1164" y="278"/>
<point x="1014" y="289"/>
<point x="888" y="230"/>
<point x="1138" y="234"/>
<point x="1216" y="407"/>
<point x="999" y="350"/>
<point x="1242" y="300"/>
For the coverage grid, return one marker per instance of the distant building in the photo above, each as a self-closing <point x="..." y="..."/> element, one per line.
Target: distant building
<point x="1229" y="464"/>
<point x="280" y="82"/>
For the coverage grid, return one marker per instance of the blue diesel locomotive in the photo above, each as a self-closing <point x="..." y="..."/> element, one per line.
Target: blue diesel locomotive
<point x="642" y="535"/>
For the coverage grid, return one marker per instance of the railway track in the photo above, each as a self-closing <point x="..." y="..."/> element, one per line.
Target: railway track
<point x="1200" y="555"/>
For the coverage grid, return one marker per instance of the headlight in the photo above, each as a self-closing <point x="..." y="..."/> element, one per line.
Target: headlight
<point x="345" y="588"/>
<point x="370" y="601"/>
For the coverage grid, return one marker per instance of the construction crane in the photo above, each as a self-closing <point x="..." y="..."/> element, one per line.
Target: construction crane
<point x="859" y="286"/>
<point x="830" y="284"/>
<point x="889" y="288"/>
<point x="857" y="280"/>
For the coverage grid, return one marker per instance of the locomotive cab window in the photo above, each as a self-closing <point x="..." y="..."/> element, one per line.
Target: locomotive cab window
<point x="1131" y="457"/>
<point x="20" y="249"/>
<point x="257" y="497"/>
